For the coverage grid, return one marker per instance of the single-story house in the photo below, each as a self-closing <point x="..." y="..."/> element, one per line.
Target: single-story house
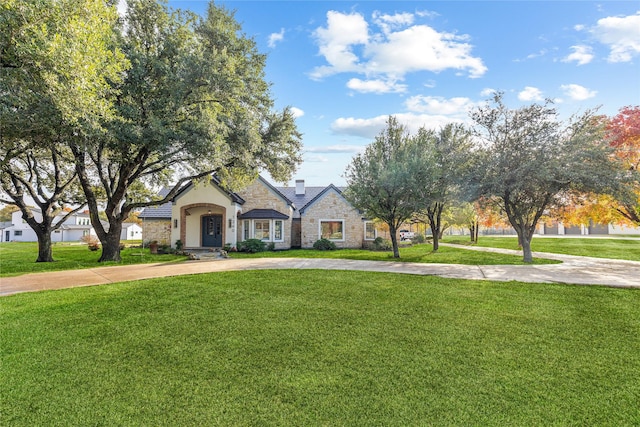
<point x="204" y="215"/>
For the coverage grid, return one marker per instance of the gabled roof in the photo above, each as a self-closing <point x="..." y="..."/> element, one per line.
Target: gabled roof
<point x="320" y="195"/>
<point x="263" y="214"/>
<point x="276" y="190"/>
<point x="215" y="181"/>
<point x="164" y="211"/>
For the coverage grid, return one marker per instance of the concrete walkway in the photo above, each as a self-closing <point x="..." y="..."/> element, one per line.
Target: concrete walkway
<point x="573" y="270"/>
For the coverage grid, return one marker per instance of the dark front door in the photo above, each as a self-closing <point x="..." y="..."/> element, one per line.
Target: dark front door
<point x="212" y="231"/>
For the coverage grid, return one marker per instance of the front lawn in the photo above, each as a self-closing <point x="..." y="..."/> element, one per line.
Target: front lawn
<point x="417" y="253"/>
<point x="321" y="348"/>
<point x="19" y="258"/>
<point x="627" y="249"/>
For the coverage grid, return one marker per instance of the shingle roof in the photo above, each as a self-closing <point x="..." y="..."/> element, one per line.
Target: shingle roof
<point x="263" y="214"/>
<point x="162" y="211"/>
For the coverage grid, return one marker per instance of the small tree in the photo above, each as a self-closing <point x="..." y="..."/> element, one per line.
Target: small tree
<point x="531" y="159"/>
<point x="383" y="180"/>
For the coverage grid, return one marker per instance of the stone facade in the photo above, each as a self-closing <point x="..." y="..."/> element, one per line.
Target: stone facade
<point x="332" y="206"/>
<point x="258" y="195"/>
<point x="156" y="229"/>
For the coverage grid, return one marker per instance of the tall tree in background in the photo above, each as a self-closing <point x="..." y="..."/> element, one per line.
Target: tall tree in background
<point x="193" y="103"/>
<point x="624" y="135"/>
<point x="531" y="159"/>
<point x="55" y="60"/>
<point x="382" y="181"/>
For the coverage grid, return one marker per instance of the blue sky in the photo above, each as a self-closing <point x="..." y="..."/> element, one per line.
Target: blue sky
<point x="345" y="66"/>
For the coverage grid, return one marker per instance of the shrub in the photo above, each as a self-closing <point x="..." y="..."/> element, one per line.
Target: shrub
<point x="324" y="245"/>
<point x="92" y="242"/>
<point x="252" y="246"/>
<point x="226" y="247"/>
<point x="179" y="245"/>
<point x="419" y="238"/>
<point x="380" y="244"/>
<point x="271" y="247"/>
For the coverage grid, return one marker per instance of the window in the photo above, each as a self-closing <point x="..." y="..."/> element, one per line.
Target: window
<point x="246" y="229"/>
<point x="269" y="230"/>
<point x="17" y="233"/>
<point x="277" y="231"/>
<point x="369" y="231"/>
<point x="261" y="229"/>
<point x="332" y="229"/>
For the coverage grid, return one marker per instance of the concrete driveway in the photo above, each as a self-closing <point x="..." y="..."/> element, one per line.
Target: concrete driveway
<point x="572" y="270"/>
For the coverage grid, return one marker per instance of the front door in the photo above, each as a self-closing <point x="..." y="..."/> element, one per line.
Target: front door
<point x="212" y="231"/>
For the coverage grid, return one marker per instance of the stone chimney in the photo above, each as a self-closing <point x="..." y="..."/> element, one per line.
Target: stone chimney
<point x="299" y="187"/>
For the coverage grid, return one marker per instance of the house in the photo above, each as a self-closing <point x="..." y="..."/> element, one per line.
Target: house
<point x="207" y="216"/>
<point x="72" y="230"/>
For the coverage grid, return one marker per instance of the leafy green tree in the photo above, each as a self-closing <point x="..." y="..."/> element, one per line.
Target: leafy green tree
<point x="446" y="155"/>
<point x="382" y="181"/>
<point x="6" y="212"/>
<point x="193" y="103"/>
<point x="530" y="159"/>
<point x="56" y="59"/>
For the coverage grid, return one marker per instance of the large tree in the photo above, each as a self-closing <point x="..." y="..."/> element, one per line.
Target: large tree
<point x="531" y="159"/>
<point x="446" y="155"/>
<point x="193" y="103"/>
<point x="382" y="181"/>
<point x="55" y="60"/>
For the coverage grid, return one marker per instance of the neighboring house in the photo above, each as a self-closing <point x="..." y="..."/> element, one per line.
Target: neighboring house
<point x="205" y="216"/>
<point x="131" y="231"/>
<point x="5" y="237"/>
<point x="72" y="230"/>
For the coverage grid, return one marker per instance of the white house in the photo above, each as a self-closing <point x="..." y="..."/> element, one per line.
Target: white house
<point x="72" y="230"/>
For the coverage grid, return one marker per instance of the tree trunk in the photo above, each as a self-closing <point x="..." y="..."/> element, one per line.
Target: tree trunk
<point x="44" y="246"/>
<point x="111" y="243"/>
<point x="477" y="231"/>
<point x="435" y="234"/>
<point x="525" y="243"/>
<point x="394" y="240"/>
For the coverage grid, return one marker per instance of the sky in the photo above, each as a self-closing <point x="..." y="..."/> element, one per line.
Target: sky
<point x="345" y="66"/>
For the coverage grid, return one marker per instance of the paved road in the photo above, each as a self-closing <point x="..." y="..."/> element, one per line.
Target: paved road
<point x="573" y="270"/>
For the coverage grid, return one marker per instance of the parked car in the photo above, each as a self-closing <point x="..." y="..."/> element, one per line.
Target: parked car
<point x="407" y="235"/>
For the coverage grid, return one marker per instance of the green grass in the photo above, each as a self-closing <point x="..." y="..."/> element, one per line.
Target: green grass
<point x="593" y="247"/>
<point x="416" y="253"/>
<point x="321" y="348"/>
<point x="19" y="258"/>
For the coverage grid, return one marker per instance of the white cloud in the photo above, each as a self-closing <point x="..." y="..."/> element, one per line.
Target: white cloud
<point x="336" y="41"/>
<point x="274" y="38"/>
<point x="390" y="22"/>
<point x="371" y="127"/>
<point x="438" y="105"/>
<point x="621" y="34"/>
<point x="487" y="91"/>
<point x="348" y="45"/>
<point x="333" y="149"/>
<point x="581" y="54"/>
<point x="296" y="112"/>
<point x="530" y="94"/>
<point x="316" y="159"/>
<point x="577" y="92"/>
<point x="376" y="86"/>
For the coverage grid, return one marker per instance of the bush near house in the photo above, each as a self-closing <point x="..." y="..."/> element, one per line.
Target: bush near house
<point x="252" y="246"/>
<point x="324" y="245"/>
